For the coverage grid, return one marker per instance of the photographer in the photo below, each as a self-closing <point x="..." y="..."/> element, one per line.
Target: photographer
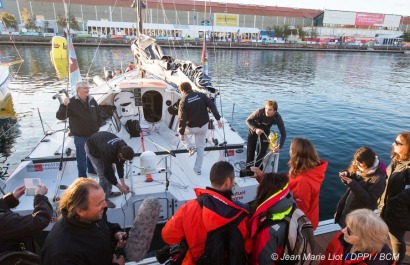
<point x="366" y="181"/>
<point x="17" y="230"/>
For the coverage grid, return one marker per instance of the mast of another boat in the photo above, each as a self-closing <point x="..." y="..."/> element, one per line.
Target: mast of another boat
<point x="137" y="5"/>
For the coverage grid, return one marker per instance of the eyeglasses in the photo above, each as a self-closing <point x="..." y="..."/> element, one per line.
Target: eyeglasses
<point x="349" y="232"/>
<point x="397" y="143"/>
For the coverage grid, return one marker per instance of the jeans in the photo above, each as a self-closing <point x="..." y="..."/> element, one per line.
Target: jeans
<point x="83" y="162"/>
<point x="398" y="244"/>
<point x="251" y="148"/>
<point x="99" y="168"/>
<point x="200" y="135"/>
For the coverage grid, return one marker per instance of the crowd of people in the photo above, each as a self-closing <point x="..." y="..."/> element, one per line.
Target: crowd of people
<point x="216" y="229"/>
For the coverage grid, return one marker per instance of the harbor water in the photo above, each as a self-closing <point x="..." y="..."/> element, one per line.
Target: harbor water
<point x="340" y="101"/>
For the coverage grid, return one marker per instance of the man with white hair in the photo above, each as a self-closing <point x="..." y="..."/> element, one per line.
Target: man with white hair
<point x="84" y="120"/>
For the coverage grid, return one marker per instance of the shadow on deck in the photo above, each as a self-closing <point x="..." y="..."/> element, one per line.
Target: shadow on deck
<point x="327" y="230"/>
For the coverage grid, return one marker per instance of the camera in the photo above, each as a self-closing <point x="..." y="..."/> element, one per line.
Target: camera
<point x="60" y="99"/>
<point x="246" y="173"/>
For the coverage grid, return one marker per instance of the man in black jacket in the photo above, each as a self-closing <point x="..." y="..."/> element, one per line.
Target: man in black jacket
<point x="82" y="235"/>
<point x="193" y="119"/>
<point x="105" y="149"/>
<point x="16" y="230"/>
<point x="84" y="120"/>
<point x="259" y="123"/>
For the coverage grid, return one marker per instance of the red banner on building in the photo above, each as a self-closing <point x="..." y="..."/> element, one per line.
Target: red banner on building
<point x="366" y="19"/>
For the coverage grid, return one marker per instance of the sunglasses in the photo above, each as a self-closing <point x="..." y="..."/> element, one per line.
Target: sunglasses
<point x="397" y="143"/>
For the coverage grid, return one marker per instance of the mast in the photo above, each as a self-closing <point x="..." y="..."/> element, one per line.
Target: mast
<point x="204" y="57"/>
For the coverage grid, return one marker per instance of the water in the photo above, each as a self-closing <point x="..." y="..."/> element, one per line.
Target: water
<point x="340" y="101"/>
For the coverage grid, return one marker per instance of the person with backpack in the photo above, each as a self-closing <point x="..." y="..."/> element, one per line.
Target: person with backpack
<point x="394" y="204"/>
<point x="279" y="231"/>
<point x="362" y="241"/>
<point x="306" y="174"/>
<point x="213" y="226"/>
<point x="366" y="180"/>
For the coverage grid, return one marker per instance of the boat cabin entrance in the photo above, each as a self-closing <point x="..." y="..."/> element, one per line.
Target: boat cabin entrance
<point x="152" y="106"/>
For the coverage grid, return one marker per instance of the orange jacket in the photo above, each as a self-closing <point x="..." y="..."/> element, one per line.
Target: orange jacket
<point x="306" y="190"/>
<point x="193" y="223"/>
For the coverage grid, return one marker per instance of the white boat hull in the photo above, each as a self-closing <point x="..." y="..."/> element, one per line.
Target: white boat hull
<point x="4" y="85"/>
<point x="174" y="178"/>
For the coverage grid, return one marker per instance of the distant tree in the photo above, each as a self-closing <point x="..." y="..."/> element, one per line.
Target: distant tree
<point x="286" y="31"/>
<point x="278" y="31"/>
<point x="28" y="20"/>
<point x="9" y="20"/>
<point x="301" y="32"/>
<point x="406" y="36"/>
<point x="62" y="22"/>
<point x="74" y="23"/>
<point x="313" y="33"/>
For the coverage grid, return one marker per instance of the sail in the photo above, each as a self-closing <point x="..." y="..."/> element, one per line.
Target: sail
<point x="74" y="70"/>
<point x="204" y="58"/>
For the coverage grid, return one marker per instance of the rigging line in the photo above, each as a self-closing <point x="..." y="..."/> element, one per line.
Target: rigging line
<point x="179" y="24"/>
<point x="99" y="44"/>
<point x="15" y="47"/>
<point x="218" y="76"/>
<point x="60" y="167"/>
<point x="12" y="40"/>
<point x="166" y="20"/>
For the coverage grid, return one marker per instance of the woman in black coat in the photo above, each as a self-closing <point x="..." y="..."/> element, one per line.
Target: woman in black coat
<point x="395" y="202"/>
<point x="366" y="181"/>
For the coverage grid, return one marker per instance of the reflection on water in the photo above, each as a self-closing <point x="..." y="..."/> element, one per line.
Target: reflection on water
<point x="61" y="67"/>
<point x="340" y="101"/>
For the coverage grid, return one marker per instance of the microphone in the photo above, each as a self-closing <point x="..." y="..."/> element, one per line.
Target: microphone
<point x="142" y="231"/>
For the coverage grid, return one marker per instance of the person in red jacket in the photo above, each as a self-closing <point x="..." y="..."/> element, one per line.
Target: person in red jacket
<point x="193" y="222"/>
<point x="362" y="241"/>
<point x="306" y="174"/>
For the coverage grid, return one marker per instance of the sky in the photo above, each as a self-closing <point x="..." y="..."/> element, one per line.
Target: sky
<point x="396" y="7"/>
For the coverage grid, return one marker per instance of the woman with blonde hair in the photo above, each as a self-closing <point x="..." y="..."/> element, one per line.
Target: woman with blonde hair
<point x="366" y="181"/>
<point x="306" y="174"/>
<point x="395" y="202"/>
<point x="362" y="241"/>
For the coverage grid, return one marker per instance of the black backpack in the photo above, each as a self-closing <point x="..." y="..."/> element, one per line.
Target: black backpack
<point x="299" y="236"/>
<point x="224" y="245"/>
<point x="133" y="128"/>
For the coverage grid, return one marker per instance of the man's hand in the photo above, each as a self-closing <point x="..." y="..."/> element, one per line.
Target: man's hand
<point x="182" y="138"/>
<point x="18" y="192"/>
<point x="121" y="238"/>
<point x="119" y="261"/>
<point x="66" y="101"/>
<point x="41" y="189"/>
<point x="219" y="124"/>
<point x="258" y="173"/>
<point x="123" y="189"/>
<point x="276" y="149"/>
<point x="258" y="131"/>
